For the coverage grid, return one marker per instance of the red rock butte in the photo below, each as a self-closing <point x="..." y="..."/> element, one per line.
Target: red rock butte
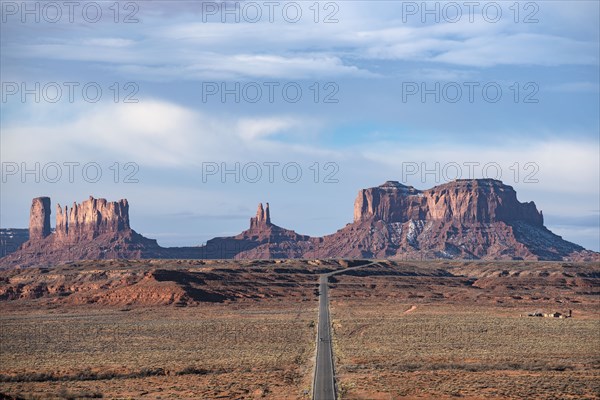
<point x="462" y="219"/>
<point x="91" y="218"/>
<point x="39" y="218"/>
<point x="464" y="201"/>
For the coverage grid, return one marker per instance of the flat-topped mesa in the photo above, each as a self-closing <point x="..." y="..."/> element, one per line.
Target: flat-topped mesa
<point x="91" y="219"/>
<point x="262" y="219"/>
<point x="462" y="219"/>
<point x="462" y="200"/>
<point x="95" y="217"/>
<point x="39" y="218"/>
<point x="480" y="200"/>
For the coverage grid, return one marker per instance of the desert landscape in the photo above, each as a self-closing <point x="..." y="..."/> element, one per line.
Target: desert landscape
<point x="463" y="219"/>
<point x="93" y="332"/>
<point x="246" y="329"/>
<point x="299" y="200"/>
<point x="468" y="336"/>
<point x="93" y="309"/>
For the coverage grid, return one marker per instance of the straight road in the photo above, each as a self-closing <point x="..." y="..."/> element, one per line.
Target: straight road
<point x="324" y="385"/>
<point x="324" y="382"/>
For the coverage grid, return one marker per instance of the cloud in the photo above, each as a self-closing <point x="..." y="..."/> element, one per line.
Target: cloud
<point x="163" y="134"/>
<point x="153" y="133"/>
<point x="475" y="45"/>
<point x="552" y="165"/>
<point x="182" y="48"/>
<point x="520" y="49"/>
<point x="108" y="42"/>
<point x="250" y="129"/>
<point x="134" y="60"/>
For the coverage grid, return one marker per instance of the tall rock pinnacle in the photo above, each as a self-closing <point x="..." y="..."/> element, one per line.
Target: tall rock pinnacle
<point x="39" y="218"/>
<point x="262" y="219"/>
<point x="62" y="223"/>
<point x="267" y="215"/>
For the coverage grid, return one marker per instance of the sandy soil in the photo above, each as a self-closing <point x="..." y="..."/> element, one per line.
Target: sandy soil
<point x="245" y="330"/>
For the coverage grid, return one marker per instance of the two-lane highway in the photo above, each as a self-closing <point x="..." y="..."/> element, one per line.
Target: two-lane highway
<point x="324" y="384"/>
<point x="324" y="381"/>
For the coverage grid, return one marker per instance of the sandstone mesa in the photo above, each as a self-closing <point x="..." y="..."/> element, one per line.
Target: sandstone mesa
<point x="462" y="219"/>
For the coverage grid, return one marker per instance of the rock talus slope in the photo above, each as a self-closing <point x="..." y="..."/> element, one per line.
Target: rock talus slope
<point x="467" y="219"/>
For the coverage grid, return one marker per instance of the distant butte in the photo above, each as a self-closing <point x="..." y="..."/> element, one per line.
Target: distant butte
<point x="462" y="219"/>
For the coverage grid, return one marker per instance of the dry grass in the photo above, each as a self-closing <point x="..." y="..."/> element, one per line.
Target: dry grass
<point x="262" y="351"/>
<point x="439" y="351"/>
<point x="463" y="337"/>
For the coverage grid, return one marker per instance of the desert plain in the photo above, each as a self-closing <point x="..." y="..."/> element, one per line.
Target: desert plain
<point x="192" y="329"/>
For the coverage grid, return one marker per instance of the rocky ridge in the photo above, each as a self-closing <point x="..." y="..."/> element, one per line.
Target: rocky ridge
<point x="94" y="229"/>
<point x="463" y="219"/>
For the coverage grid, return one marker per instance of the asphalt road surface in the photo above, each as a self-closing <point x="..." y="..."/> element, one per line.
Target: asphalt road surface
<point x="324" y="387"/>
<point x="324" y="382"/>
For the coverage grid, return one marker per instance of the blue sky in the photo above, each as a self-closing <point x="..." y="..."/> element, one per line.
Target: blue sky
<point x="545" y="125"/>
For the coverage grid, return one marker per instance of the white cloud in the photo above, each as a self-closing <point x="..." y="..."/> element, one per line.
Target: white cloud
<point x="558" y="166"/>
<point x="108" y="42"/>
<point x="153" y="133"/>
<point x="250" y="129"/>
<point x="183" y="48"/>
<point x="520" y="49"/>
<point x="161" y="134"/>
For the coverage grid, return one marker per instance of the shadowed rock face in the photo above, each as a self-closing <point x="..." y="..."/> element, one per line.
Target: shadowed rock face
<point x="462" y="201"/>
<point x="39" y="218"/>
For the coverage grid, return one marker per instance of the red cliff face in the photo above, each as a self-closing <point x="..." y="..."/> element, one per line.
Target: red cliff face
<point x="39" y="218"/>
<point x="94" y="229"/>
<point x="463" y="219"/>
<point x="460" y="201"/>
<point x="478" y="218"/>
<point x="390" y="202"/>
<point x="91" y="218"/>
<point x="62" y="223"/>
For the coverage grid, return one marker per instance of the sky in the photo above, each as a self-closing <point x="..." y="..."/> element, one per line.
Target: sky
<point x="197" y="111"/>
